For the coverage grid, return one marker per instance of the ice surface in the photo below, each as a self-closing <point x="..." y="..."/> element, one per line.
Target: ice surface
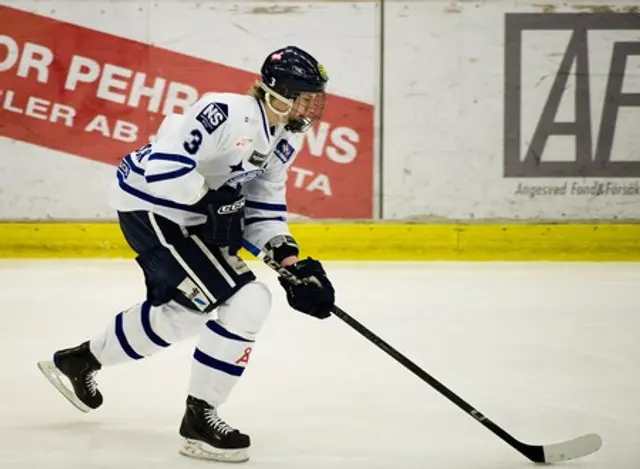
<point x="547" y="351"/>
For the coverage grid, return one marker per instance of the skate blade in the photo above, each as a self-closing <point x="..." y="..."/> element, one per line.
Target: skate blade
<point x="55" y="377"/>
<point x="199" y="450"/>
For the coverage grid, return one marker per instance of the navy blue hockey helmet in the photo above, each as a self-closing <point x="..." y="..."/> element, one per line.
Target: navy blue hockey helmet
<point x="290" y="71"/>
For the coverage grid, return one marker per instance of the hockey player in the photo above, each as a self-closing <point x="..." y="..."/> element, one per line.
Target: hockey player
<point x="212" y="176"/>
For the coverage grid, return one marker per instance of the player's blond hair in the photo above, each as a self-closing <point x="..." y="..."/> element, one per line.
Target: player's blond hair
<point x="257" y="92"/>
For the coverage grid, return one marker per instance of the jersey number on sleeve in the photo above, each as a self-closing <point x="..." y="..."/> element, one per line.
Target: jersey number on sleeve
<point x="211" y="117"/>
<point x="193" y="144"/>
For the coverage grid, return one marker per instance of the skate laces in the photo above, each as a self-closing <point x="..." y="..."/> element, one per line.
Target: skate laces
<point x="90" y="381"/>
<point x="216" y="422"/>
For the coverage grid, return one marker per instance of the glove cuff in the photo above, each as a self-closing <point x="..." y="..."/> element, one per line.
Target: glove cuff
<point x="282" y="246"/>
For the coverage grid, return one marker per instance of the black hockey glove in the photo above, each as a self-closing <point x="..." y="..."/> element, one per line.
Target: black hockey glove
<point x="225" y="218"/>
<point x="317" y="296"/>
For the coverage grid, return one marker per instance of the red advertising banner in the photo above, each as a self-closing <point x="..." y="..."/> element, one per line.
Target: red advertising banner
<point x="99" y="96"/>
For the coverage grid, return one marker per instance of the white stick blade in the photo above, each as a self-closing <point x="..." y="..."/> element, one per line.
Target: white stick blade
<point x="572" y="449"/>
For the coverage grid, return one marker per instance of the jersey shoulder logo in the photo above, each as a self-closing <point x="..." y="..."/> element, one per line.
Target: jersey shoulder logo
<point x="213" y="116"/>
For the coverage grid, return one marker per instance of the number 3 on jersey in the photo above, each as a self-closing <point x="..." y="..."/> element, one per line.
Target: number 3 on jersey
<point x="192" y="144"/>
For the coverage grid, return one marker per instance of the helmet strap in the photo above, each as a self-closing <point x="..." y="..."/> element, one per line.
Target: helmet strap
<point x="269" y="93"/>
<point x="297" y="125"/>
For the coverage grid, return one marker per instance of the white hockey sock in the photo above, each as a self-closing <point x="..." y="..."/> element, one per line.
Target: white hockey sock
<point x="225" y="344"/>
<point x="143" y="330"/>
<point x="219" y="360"/>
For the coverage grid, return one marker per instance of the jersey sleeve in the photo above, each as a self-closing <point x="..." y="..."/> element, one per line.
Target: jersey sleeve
<point x="171" y="170"/>
<point x="266" y="206"/>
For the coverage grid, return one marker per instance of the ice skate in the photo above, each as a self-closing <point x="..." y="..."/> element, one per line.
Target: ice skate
<point x="207" y="436"/>
<point x="77" y="366"/>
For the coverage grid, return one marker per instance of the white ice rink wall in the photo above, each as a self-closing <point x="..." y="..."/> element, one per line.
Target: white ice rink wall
<point x="511" y="110"/>
<point x="491" y="113"/>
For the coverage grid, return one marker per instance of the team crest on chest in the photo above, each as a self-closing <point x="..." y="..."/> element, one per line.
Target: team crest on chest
<point x="284" y="151"/>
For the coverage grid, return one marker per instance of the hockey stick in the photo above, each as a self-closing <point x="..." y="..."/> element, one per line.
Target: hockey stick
<point x="564" y="451"/>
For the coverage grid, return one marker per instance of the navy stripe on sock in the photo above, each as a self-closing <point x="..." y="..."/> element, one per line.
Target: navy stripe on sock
<point x="145" y="316"/>
<point x="221" y="331"/>
<point x="211" y="362"/>
<point x="124" y="343"/>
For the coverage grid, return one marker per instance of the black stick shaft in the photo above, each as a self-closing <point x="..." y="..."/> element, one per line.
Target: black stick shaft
<point x="526" y="450"/>
<point x="534" y="453"/>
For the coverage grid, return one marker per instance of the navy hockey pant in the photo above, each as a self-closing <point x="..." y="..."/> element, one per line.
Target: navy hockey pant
<point x="178" y="265"/>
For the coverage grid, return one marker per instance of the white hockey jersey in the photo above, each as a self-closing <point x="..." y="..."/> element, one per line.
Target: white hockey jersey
<point x="224" y="138"/>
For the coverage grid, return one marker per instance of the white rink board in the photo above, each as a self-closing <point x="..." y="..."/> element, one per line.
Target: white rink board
<point x="444" y="109"/>
<point x="38" y="183"/>
<point x="237" y="33"/>
<point x="444" y="116"/>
